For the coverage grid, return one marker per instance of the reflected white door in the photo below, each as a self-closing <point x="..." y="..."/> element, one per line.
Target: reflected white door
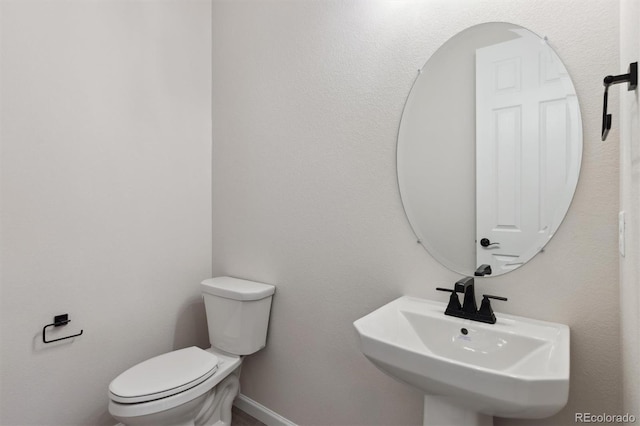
<point x="521" y="150"/>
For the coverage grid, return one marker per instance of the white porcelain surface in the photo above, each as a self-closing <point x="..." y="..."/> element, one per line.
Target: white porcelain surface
<point x="236" y="288"/>
<point x="237" y="313"/>
<point x="128" y="412"/>
<point x="517" y="367"/>
<point x="163" y="375"/>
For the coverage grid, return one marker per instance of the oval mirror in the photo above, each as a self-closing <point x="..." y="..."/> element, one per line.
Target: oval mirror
<point x="489" y="148"/>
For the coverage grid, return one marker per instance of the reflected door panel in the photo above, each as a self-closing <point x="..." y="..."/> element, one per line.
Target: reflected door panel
<point x="521" y="150"/>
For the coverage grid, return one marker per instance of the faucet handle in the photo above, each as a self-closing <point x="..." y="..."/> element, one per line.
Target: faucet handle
<point x="488" y="296"/>
<point x="454" y="302"/>
<point x="486" y="312"/>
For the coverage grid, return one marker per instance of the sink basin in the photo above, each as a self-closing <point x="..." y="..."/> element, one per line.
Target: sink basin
<point x="518" y="367"/>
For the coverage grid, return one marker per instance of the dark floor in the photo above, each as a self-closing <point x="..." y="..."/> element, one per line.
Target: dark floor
<point x="240" y="418"/>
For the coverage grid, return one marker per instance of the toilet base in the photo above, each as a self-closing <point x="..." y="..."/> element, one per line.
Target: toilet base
<point x="179" y="416"/>
<point x="217" y="407"/>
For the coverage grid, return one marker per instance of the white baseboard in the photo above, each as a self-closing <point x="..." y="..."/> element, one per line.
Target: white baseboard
<point x="260" y="412"/>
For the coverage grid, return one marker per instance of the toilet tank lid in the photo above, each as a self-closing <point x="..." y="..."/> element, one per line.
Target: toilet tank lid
<point x="236" y="288"/>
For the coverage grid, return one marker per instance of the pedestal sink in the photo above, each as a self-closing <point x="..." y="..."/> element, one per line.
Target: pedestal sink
<point x="469" y="371"/>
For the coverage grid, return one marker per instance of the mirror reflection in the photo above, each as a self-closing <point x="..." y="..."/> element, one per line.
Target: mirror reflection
<point x="489" y="148"/>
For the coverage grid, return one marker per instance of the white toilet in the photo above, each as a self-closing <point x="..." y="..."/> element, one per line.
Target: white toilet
<point x="193" y="386"/>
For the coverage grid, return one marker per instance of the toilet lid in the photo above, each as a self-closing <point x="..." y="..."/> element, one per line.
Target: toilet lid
<point x="164" y="375"/>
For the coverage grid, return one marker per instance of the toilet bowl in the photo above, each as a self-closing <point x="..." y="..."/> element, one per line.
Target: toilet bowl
<point x="172" y="402"/>
<point x="193" y="386"/>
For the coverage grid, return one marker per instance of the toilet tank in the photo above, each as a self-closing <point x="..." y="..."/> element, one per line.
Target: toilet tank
<point x="237" y="313"/>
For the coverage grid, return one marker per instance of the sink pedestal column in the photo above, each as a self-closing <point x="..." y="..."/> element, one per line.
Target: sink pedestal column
<point x="443" y="411"/>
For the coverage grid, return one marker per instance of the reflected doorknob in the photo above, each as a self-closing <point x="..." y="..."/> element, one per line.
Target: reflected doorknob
<point x="486" y="243"/>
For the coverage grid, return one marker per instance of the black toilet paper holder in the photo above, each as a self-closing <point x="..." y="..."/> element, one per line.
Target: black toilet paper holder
<point x="58" y="321"/>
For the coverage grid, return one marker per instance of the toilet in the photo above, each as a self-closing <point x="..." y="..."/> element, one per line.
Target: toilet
<point x="193" y="386"/>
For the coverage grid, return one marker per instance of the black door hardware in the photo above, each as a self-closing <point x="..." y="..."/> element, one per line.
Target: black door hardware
<point x="486" y="243"/>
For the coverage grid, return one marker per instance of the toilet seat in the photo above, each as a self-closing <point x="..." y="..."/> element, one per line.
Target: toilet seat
<point x="164" y="375"/>
<point x="227" y="363"/>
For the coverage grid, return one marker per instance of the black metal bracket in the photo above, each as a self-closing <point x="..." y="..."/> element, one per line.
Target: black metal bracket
<point x="58" y="321"/>
<point x="631" y="78"/>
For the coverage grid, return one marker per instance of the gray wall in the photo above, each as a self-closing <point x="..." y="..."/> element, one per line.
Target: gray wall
<point x="307" y="101"/>
<point x="106" y="203"/>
